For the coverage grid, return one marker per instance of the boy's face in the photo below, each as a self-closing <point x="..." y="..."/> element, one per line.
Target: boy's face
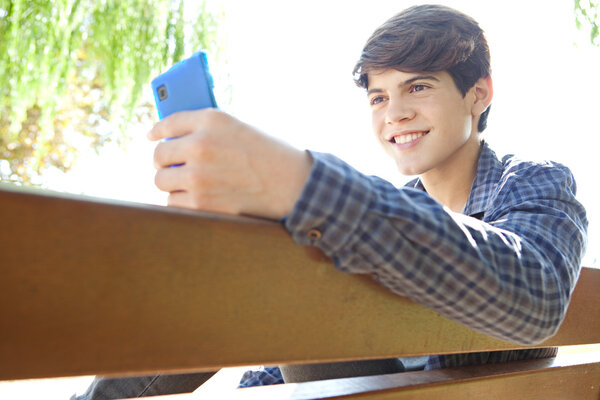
<point x="421" y="119"/>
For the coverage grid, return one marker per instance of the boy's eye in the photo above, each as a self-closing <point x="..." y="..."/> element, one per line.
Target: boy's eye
<point x="418" y="87"/>
<point x="376" y="100"/>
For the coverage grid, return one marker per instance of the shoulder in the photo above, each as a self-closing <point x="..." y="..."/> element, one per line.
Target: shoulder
<point x="536" y="178"/>
<point x="538" y="187"/>
<point x="503" y="183"/>
<point x="513" y="163"/>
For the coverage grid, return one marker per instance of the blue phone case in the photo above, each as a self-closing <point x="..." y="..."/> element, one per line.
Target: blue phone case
<point x="188" y="85"/>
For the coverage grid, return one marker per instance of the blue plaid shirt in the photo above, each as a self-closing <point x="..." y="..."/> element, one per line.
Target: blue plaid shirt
<point x="506" y="266"/>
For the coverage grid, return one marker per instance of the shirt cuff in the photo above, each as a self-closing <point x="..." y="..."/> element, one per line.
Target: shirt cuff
<point x="331" y="205"/>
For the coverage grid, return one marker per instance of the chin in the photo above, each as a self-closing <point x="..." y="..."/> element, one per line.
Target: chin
<point x="408" y="170"/>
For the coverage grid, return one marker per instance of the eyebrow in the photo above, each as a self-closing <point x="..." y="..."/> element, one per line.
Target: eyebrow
<point x="407" y="82"/>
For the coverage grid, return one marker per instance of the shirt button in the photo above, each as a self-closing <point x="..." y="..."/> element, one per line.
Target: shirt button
<point x="314" y="234"/>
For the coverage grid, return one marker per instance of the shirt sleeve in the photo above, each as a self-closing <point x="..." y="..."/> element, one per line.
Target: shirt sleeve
<point x="509" y="275"/>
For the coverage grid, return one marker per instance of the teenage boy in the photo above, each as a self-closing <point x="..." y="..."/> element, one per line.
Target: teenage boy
<point x="494" y="244"/>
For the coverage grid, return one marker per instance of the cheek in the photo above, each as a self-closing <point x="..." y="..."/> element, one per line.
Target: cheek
<point x="459" y="121"/>
<point x="376" y="123"/>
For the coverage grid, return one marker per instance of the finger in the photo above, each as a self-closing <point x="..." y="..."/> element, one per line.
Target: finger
<point x="170" y="153"/>
<point x="183" y="199"/>
<point x="178" y="124"/>
<point x="179" y="199"/>
<point x="171" y="179"/>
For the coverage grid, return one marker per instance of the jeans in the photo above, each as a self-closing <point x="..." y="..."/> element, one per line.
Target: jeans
<point x="142" y="386"/>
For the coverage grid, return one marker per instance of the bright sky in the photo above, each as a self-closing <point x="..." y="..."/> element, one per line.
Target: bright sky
<point x="289" y="65"/>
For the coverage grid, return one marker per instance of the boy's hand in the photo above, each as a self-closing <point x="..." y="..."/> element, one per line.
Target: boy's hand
<point x="229" y="166"/>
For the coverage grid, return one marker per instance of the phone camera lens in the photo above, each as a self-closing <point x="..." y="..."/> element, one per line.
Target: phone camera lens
<point x="162" y="92"/>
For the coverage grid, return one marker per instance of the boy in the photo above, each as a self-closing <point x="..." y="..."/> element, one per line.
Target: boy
<point x="493" y="244"/>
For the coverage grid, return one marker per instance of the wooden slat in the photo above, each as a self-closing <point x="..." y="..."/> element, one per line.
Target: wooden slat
<point x="566" y="377"/>
<point x="99" y="287"/>
<point x="574" y="376"/>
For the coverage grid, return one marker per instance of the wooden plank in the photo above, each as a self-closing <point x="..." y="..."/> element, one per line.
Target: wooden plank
<point x="100" y="287"/>
<point x="564" y="377"/>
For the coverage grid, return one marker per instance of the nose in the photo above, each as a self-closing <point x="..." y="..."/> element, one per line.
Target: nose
<point x="398" y="111"/>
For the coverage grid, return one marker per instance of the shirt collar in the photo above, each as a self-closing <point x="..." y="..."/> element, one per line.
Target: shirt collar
<point x="489" y="172"/>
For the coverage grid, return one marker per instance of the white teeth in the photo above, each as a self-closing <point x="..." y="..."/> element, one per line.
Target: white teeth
<point x="407" y="138"/>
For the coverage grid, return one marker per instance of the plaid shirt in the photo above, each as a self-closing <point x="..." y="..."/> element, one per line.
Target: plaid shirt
<point x="261" y="377"/>
<point x="505" y="267"/>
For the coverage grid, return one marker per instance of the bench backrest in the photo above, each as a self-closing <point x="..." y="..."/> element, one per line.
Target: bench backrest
<point x="102" y="287"/>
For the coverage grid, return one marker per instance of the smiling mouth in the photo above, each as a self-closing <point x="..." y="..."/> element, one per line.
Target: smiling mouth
<point x="407" y="138"/>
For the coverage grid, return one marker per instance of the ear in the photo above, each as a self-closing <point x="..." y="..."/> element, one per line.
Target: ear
<point x="483" y="91"/>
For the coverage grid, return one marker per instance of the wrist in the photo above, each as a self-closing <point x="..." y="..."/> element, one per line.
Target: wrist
<point x="288" y="175"/>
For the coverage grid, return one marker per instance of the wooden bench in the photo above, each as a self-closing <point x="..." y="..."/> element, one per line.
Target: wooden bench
<point x="90" y="286"/>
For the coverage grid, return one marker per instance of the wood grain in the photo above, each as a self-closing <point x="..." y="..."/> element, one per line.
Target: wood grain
<point x="573" y="377"/>
<point x="565" y="377"/>
<point x="98" y="287"/>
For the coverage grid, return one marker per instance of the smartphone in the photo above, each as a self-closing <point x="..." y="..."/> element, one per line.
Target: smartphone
<point x="188" y="85"/>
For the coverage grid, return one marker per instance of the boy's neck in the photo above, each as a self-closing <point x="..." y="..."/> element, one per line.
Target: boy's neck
<point x="451" y="183"/>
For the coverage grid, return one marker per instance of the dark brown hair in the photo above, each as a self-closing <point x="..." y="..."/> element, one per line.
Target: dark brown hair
<point x="428" y="38"/>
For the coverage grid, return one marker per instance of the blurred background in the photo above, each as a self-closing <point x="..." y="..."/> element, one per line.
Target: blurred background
<point x="75" y="100"/>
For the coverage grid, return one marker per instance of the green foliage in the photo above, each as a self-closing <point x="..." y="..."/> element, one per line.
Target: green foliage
<point x="588" y="18"/>
<point x="73" y="71"/>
